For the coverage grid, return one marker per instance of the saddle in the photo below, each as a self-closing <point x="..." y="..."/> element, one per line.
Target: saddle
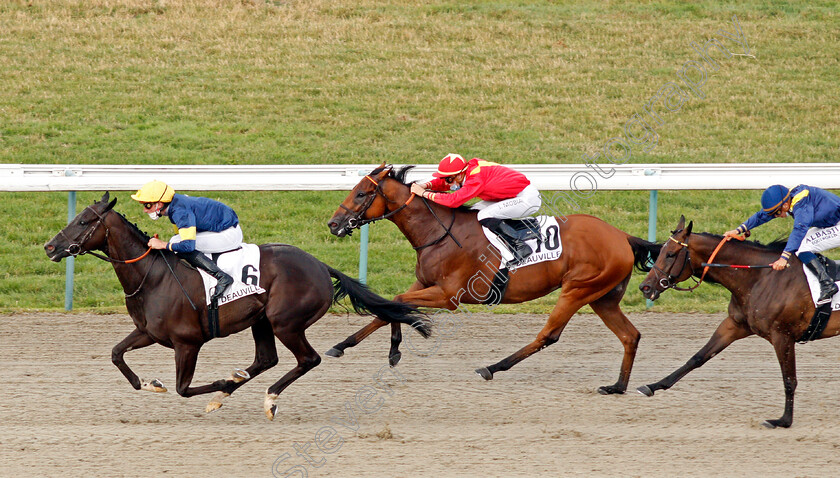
<point x="527" y="228"/>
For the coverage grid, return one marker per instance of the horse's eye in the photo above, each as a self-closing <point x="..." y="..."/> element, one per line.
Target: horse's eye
<point x="670" y="254"/>
<point x="83" y="223"/>
<point x="361" y="195"/>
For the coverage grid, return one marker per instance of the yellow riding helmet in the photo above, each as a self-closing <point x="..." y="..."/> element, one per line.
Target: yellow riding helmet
<point x="153" y="192"/>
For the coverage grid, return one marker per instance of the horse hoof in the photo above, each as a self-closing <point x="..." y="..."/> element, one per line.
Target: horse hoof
<point x="240" y="375"/>
<point x="269" y="405"/>
<point x="775" y="424"/>
<point x="153" y="386"/>
<point x="485" y="373"/>
<point x="611" y="390"/>
<point x="334" y="352"/>
<point x="645" y="390"/>
<point x="215" y="402"/>
<point x="393" y="360"/>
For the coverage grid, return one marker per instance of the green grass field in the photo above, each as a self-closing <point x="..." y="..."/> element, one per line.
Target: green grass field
<point x="282" y="82"/>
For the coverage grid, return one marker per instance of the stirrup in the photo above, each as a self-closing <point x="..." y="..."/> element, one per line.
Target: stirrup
<point x="826" y="294"/>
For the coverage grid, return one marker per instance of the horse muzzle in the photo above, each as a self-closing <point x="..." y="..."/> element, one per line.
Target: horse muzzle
<point x="54" y="253"/>
<point x="339" y="230"/>
<point x="650" y="293"/>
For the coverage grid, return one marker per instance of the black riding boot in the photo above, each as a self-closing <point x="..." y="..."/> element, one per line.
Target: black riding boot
<point x="199" y="260"/>
<point x="827" y="286"/>
<point x="511" y="236"/>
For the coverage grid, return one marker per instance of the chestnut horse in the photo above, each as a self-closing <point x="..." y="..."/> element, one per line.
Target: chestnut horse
<point x="594" y="267"/>
<point x="165" y="298"/>
<point x="775" y="305"/>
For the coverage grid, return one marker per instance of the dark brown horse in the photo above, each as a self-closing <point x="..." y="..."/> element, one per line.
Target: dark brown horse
<point x="165" y="299"/>
<point x="594" y="267"/>
<point x="775" y="305"/>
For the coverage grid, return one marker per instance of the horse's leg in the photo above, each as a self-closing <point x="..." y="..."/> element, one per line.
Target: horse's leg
<point x="727" y="332"/>
<point x="569" y="303"/>
<point x="307" y="359"/>
<point x="265" y="357"/>
<point x="135" y="340"/>
<point x="786" y="353"/>
<point x="186" y="356"/>
<point x="420" y="296"/>
<point x="609" y="311"/>
<point x="353" y="340"/>
<point x="411" y="296"/>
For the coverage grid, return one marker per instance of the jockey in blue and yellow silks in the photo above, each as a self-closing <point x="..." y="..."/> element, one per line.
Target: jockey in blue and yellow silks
<point x="816" y="227"/>
<point x="203" y="226"/>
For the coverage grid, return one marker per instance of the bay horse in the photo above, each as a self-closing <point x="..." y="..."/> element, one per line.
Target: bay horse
<point x="166" y="301"/>
<point x="775" y="305"/>
<point x="594" y="267"/>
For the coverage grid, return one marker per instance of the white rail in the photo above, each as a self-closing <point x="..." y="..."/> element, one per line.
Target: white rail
<point x="550" y="177"/>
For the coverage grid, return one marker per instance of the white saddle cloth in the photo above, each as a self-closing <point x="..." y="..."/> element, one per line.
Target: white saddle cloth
<point x="814" y="285"/>
<point x="243" y="265"/>
<point x="548" y="250"/>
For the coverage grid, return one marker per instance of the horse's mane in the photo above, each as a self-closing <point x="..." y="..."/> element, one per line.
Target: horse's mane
<point x="400" y="173"/>
<point x="132" y="226"/>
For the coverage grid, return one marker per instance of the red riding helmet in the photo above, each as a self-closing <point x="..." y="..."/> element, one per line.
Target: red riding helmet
<point x="450" y="165"/>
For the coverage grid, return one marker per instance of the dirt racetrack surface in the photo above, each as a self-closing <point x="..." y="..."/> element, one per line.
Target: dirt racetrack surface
<point x="67" y="411"/>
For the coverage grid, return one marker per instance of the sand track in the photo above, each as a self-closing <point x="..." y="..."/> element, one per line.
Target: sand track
<point x="67" y="411"/>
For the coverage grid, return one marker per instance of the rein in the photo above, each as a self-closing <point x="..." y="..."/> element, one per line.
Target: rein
<point x="667" y="282"/>
<point x="448" y="230"/>
<point x="75" y="248"/>
<point x="357" y="220"/>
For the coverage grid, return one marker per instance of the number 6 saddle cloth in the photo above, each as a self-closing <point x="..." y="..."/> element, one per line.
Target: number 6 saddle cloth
<point x="243" y="265"/>
<point x="546" y="245"/>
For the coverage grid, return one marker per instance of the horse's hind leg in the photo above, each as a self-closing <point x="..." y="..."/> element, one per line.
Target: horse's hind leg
<point x="609" y="311"/>
<point x="135" y="340"/>
<point x="727" y="332"/>
<point x="307" y="359"/>
<point x="265" y="357"/>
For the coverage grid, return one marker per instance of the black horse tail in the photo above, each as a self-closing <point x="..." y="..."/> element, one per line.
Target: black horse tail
<point x="366" y="302"/>
<point x="644" y="253"/>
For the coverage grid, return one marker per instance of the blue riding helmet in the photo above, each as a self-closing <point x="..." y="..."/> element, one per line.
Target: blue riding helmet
<point x="773" y="197"/>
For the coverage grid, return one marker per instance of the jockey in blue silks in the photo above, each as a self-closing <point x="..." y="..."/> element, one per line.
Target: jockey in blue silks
<point x="204" y="226"/>
<point x="816" y="228"/>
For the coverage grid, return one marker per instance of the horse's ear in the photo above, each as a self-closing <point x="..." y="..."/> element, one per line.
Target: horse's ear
<point x="110" y="205"/>
<point x="105" y="197"/>
<point x="386" y="170"/>
<point x="681" y="224"/>
<point x="688" y="229"/>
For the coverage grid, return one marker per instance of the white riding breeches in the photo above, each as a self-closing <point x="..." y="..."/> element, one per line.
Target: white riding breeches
<point x="820" y="239"/>
<point x="527" y="202"/>
<point x="210" y="242"/>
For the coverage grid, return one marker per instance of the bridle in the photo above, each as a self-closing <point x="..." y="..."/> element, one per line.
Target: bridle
<point x="668" y="281"/>
<point x="75" y="248"/>
<point x="357" y="219"/>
